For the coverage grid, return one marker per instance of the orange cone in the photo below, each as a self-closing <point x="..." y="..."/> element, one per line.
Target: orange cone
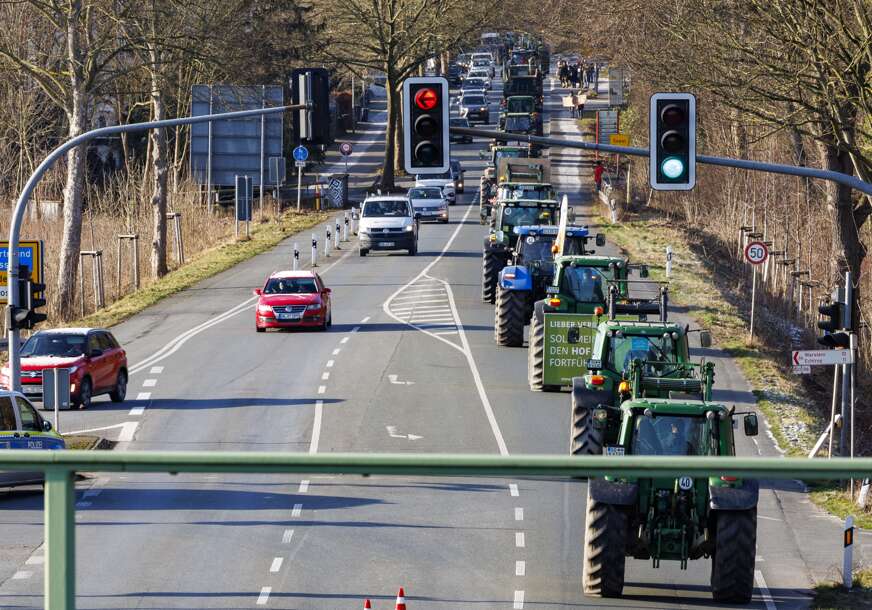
<point x="366" y="605"/>
<point x="401" y="600"/>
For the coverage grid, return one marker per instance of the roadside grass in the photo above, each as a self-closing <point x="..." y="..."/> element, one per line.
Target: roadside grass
<point x="837" y="501"/>
<point x="832" y="595"/>
<point x="82" y="441"/>
<point x="203" y="265"/>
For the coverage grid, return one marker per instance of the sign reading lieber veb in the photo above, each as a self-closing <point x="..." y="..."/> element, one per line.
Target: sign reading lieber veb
<point x="565" y="360"/>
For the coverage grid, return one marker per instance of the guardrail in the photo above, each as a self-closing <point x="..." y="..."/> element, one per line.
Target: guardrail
<point x="60" y="468"/>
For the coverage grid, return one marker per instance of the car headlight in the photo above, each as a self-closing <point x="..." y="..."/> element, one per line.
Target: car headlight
<point x="264" y="310"/>
<point x="313" y="307"/>
<point x="408" y="228"/>
<point x="483" y="108"/>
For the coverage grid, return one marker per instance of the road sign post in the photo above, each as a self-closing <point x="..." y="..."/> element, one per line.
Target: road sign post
<point x="301" y="153"/>
<point x="756" y="253"/>
<point x="345" y="148"/>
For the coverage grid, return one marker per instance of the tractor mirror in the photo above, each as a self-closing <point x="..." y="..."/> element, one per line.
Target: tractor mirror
<point x="643" y="271"/>
<point x="751" y="426"/>
<point x="572" y="335"/>
<point x="705" y="338"/>
<point x="600" y="239"/>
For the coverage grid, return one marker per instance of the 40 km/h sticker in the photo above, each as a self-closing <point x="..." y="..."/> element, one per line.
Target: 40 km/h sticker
<point x="756" y="252"/>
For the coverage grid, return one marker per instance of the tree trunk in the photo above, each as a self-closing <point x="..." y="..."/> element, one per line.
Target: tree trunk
<point x="387" y="180"/>
<point x="159" y="164"/>
<point x="399" y="166"/>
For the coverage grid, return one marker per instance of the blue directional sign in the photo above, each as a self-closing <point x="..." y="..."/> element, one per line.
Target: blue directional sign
<point x="301" y="153"/>
<point x="29" y="255"/>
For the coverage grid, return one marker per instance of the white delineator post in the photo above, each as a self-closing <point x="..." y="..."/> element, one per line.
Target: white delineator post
<point x="327" y="243"/>
<point x="668" y="261"/>
<point x="296" y="259"/>
<point x="336" y="235"/>
<point x="314" y="250"/>
<point x="345" y="228"/>
<point x="848" y="559"/>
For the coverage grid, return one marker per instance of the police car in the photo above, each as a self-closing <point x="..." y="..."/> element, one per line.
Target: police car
<point x="22" y="427"/>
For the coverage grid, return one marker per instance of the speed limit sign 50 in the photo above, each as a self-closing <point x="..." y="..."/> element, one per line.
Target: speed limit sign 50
<point x="756" y="252"/>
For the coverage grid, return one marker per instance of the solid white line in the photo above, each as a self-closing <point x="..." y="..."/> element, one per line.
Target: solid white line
<point x="330" y="363"/>
<point x="143" y="396"/>
<point x="764" y="590"/>
<point x="336" y="351"/>
<point x="297" y="510"/>
<point x="316" y="426"/>
<point x="156" y="370"/>
<point x="276" y="564"/>
<point x="21" y="575"/>
<point x="520" y="540"/>
<point x="520" y="568"/>
<point x="344" y="340"/>
<point x="325" y="375"/>
<point x="263" y="598"/>
<point x="322" y="389"/>
<point x="286" y="537"/>
<point x="365" y="320"/>
<point x="35" y="560"/>
<point x="149" y="383"/>
<point x="519" y="600"/>
<point x="97" y="429"/>
<point x="519" y="513"/>
<point x="513" y="490"/>
<point x="304" y="486"/>
<point x="137" y="411"/>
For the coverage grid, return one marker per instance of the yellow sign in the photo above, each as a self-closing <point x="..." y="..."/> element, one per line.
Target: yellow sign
<point x="29" y="255"/>
<point x="619" y="139"/>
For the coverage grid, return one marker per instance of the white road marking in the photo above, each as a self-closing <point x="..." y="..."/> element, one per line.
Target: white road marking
<point x="304" y="486"/>
<point x="393" y="379"/>
<point x="759" y="558"/>
<point x="365" y="320"/>
<point x="156" y="370"/>
<point x="83" y="504"/>
<point x="325" y="376"/>
<point x="344" y="340"/>
<point x="424" y="309"/>
<point x="137" y="411"/>
<point x="336" y="351"/>
<point x="425" y="301"/>
<point x="298" y="508"/>
<point x="520" y="568"/>
<point x="143" y="396"/>
<point x="355" y="329"/>
<point x="316" y="426"/>
<point x="149" y="383"/>
<point x="330" y="364"/>
<point x="520" y="540"/>
<point x="263" y="598"/>
<point x="35" y="560"/>
<point x="276" y="564"/>
<point x="322" y="389"/>
<point x="519" y="600"/>
<point x="91" y="493"/>
<point x="21" y="575"/>
<point x="768" y="518"/>
<point x="286" y="537"/>
<point x="764" y="590"/>
<point x="445" y="332"/>
<point x="127" y="432"/>
<point x="392" y="432"/>
<point x="519" y="513"/>
<point x="513" y="490"/>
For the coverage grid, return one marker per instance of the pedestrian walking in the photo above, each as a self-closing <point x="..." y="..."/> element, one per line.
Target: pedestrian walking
<point x="598" y="175"/>
<point x="574" y="106"/>
<point x="573" y="75"/>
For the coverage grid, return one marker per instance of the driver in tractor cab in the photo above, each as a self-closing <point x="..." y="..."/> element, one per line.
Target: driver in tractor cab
<point x="590" y="288"/>
<point x="545" y="217"/>
<point x="672" y="432"/>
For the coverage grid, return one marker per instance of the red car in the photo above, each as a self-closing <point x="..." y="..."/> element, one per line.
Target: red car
<point x="292" y="299"/>
<point x="97" y="363"/>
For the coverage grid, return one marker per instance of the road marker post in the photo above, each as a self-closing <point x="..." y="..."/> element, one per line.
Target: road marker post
<point x="314" y="250"/>
<point x="668" y="261"/>
<point x="848" y="558"/>
<point x="336" y="235"/>
<point x="296" y="259"/>
<point x="345" y="228"/>
<point x="327" y="243"/>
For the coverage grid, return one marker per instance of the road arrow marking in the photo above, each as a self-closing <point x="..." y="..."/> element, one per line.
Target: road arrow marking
<point x="392" y="432"/>
<point x="393" y="380"/>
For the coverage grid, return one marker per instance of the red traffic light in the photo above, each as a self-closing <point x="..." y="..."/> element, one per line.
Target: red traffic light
<point x="673" y="115"/>
<point x="426" y="99"/>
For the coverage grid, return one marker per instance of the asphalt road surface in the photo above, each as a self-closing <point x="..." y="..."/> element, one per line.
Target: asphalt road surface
<point x="410" y="364"/>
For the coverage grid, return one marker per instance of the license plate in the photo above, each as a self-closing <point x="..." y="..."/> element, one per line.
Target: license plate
<point x="288" y="316"/>
<point x="32" y="389"/>
<point x="387" y="243"/>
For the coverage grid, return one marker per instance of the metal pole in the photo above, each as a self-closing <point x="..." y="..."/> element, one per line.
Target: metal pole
<point x="209" y="159"/>
<point x="236" y="205"/>
<point x="60" y="539"/>
<point x="753" y="298"/>
<point x="57" y="402"/>
<point x="299" y="185"/>
<point x="844" y="450"/>
<point x="833" y="409"/>
<point x="249" y="196"/>
<point x="853" y="369"/>
<point x="118" y="271"/>
<point x="136" y="260"/>
<point x="262" y="145"/>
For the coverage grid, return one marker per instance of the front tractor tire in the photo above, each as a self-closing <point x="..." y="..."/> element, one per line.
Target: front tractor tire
<point x="585" y="438"/>
<point x="735" y="552"/>
<point x="605" y="541"/>
<point x="510" y="317"/>
<point x="490" y="274"/>
<point x="536" y="352"/>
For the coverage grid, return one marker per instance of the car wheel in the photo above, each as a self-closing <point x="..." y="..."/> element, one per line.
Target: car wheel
<point x="364" y="251"/>
<point x="259" y="329"/>
<point x="120" y="391"/>
<point x="84" y="400"/>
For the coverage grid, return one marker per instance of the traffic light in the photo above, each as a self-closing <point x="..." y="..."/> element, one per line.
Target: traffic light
<point x="30" y="299"/>
<point x="834" y="321"/>
<point x="672" y="141"/>
<point x="425" y="125"/>
<point x="312" y="125"/>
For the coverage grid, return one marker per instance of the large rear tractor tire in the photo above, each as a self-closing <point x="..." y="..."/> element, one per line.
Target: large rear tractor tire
<point x="490" y="273"/>
<point x="510" y="317"/>
<point x="585" y="438"/>
<point x="734" y="556"/>
<point x="536" y="352"/>
<point x="605" y="541"/>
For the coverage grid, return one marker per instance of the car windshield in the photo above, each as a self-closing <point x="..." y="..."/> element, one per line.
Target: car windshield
<point x="537" y="248"/>
<point x="445" y="176"/>
<point x="522" y="105"/>
<point x="508" y="154"/>
<point x="473" y="100"/>
<point x="54" y="344"/>
<point x="433" y="193"/>
<point x="473" y="83"/>
<point x="520" y="192"/>
<point x="520" y="216"/>
<point x="669" y="435"/>
<point x="623" y="350"/>
<point x="373" y="209"/>
<point x="518" y="123"/>
<point x="585" y="284"/>
<point x="290" y="285"/>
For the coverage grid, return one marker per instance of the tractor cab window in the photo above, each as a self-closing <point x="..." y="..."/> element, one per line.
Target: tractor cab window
<point x="669" y="435"/>
<point x="650" y="349"/>
<point x="512" y="216"/>
<point x="585" y="284"/>
<point x="536" y="248"/>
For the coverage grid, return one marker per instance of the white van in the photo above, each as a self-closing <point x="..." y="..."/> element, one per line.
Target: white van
<point x="388" y="222"/>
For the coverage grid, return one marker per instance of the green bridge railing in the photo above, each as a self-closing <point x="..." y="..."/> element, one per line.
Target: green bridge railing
<point x="60" y="468"/>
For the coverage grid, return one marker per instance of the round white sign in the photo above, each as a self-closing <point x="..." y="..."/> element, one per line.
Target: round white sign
<point x="685" y="483"/>
<point x="756" y="252"/>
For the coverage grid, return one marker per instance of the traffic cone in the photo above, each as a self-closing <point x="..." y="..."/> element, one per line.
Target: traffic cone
<point x="401" y="600"/>
<point x="366" y="605"/>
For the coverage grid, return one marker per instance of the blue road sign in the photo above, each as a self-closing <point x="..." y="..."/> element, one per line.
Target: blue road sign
<point x="29" y="255"/>
<point x="301" y="153"/>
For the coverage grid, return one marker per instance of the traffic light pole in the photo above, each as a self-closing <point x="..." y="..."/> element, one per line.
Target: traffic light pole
<point x="47" y="163"/>
<point x="847" y="374"/>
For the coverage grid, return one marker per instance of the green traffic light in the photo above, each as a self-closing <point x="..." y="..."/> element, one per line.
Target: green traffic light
<point x="672" y="167"/>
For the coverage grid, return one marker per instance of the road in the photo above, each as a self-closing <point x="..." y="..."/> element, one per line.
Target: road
<point x="409" y="365"/>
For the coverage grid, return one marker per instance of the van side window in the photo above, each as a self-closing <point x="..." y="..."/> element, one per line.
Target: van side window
<point x="7" y="415"/>
<point x="30" y="420"/>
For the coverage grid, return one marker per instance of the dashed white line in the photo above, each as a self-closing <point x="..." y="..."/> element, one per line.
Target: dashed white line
<point x="287" y="536"/>
<point x="137" y="411"/>
<point x="336" y="351"/>
<point x="365" y="320"/>
<point x="276" y="564"/>
<point x="21" y="575"/>
<point x="149" y="383"/>
<point x="519" y="513"/>
<point x="325" y="376"/>
<point x="764" y="590"/>
<point x="35" y="560"/>
<point x="513" y="489"/>
<point x="263" y="598"/>
<point x="322" y="389"/>
<point x="316" y="426"/>
<point x="520" y="540"/>
<point x="304" y="486"/>
<point x="330" y="364"/>
<point x="355" y="329"/>
<point x="298" y="508"/>
<point x="520" y="568"/>
<point x="519" y="600"/>
<point x="156" y="370"/>
<point x="344" y="340"/>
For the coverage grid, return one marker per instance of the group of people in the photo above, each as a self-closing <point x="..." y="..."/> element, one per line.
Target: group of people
<point x="577" y="75"/>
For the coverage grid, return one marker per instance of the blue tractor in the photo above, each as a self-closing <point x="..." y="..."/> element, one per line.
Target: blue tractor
<point x="530" y="269"/>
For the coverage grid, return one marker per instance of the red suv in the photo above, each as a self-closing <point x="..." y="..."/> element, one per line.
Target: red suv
<point x="291" y="299"/>
<point x="97" y="363"/>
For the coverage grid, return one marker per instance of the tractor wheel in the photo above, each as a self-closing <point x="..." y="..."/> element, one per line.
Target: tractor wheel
<point x="605" y="541"/>
<point x="733" y="559"/>
<point x="585" y="439"/>
<point x="510" y="317"/>
<point x="490" y="273"/>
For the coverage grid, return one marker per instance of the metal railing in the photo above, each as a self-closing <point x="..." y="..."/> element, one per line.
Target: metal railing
<point x="60" y="470"/>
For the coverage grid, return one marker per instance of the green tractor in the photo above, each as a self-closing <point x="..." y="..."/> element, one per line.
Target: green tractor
<point x="672" y="519"/>
<point x="576" y="296"/>
<point x="489" y="182"/>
